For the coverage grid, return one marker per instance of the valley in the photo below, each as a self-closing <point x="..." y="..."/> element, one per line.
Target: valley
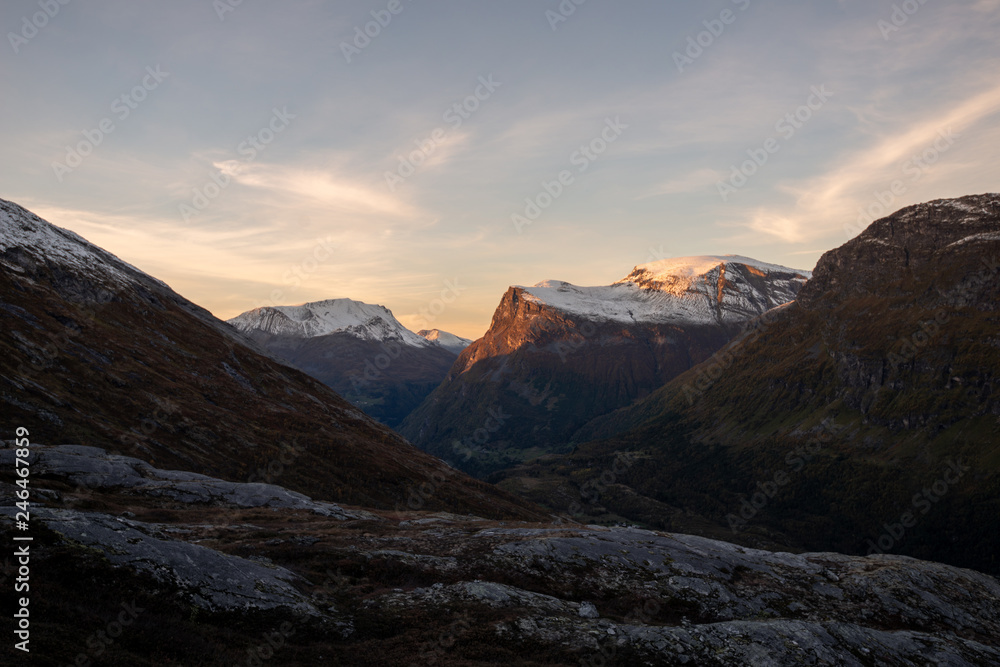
<point x="712" y="460"/>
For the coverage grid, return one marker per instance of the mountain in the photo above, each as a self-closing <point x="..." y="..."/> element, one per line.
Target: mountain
<point x="322" y="318"/>
<point x="446" y="340"/>
<point x="358" y="349"/>
<point x="193" y="501"/>
<point x="862" y="417"/>
<point x="95" y="352"/>
<point x="557" y="355"/>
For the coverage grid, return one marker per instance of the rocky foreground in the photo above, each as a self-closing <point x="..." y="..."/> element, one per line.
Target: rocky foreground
<point x="229" y="573"/>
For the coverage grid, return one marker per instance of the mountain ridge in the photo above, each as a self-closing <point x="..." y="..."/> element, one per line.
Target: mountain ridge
<point x="95" y="352"/>
<point x="329" y="316"/>
<point x="890" y="353"/>
<point x="683" y="289"/>
<point x="358" y="349"/>
<point x="556" y="356"/>
<point x="201" y="523"/>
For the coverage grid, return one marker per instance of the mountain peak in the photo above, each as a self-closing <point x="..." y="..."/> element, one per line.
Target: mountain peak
<point x="700" y="265"/>
<point x="322" y="318"/>
<point x="21" y="231"/>
<point x="913" y="241"/>
<point x="449" y="341"/>
<point x="702" y="289"/>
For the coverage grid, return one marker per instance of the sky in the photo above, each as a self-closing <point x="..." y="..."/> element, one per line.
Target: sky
<point x="427" y="154"/>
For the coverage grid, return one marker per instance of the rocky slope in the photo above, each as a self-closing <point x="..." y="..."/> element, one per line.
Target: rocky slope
<point x="221" y="578"/>
<point x="358" y="349"/>
<point x="862" y="417"/>
<point x="557" y="355"/>
<point x="95" y="352"/>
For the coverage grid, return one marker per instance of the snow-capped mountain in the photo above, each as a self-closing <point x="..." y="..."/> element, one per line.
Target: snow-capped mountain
<point x="95" y="352"/>
<point x="87" y="274"/>
<point x="448" y="341"/>
<point x="557" y="355"/>
<point x="191" y="431"/>
<point x="21" y="231"/>
<point x="359" y="349"/>
<point x="322" y="318"/>
<point x="889" y="356"/>
<point x="703" y="289"/>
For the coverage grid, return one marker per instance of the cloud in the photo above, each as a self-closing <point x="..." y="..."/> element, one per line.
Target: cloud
<point x="320" y="186"/>
<point x="692" y="182"/>
<point x="832" y="198"/>
<point x="432" y="153"/>
<point x="231" y="270"/>
<point x="165" y="247"/>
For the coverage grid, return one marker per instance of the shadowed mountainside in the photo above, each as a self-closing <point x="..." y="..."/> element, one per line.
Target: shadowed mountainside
<point x="95" y="352"/>
<point x="869" y="403"/>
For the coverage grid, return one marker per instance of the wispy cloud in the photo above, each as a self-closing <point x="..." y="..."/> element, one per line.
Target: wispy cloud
<point x="163" y="246"/>
<point x="322" y="187"/>
<point x="325" y="178"/>
<point x="697" y="180"/>
<point x="432" y="153"/>
<point x="830" y="199"/>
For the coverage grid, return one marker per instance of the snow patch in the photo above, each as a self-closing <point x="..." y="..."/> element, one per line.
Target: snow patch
<point x="987" y="236"/>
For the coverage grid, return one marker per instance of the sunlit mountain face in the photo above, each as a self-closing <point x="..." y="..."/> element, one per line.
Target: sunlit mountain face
<point x="557" y="355"/>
